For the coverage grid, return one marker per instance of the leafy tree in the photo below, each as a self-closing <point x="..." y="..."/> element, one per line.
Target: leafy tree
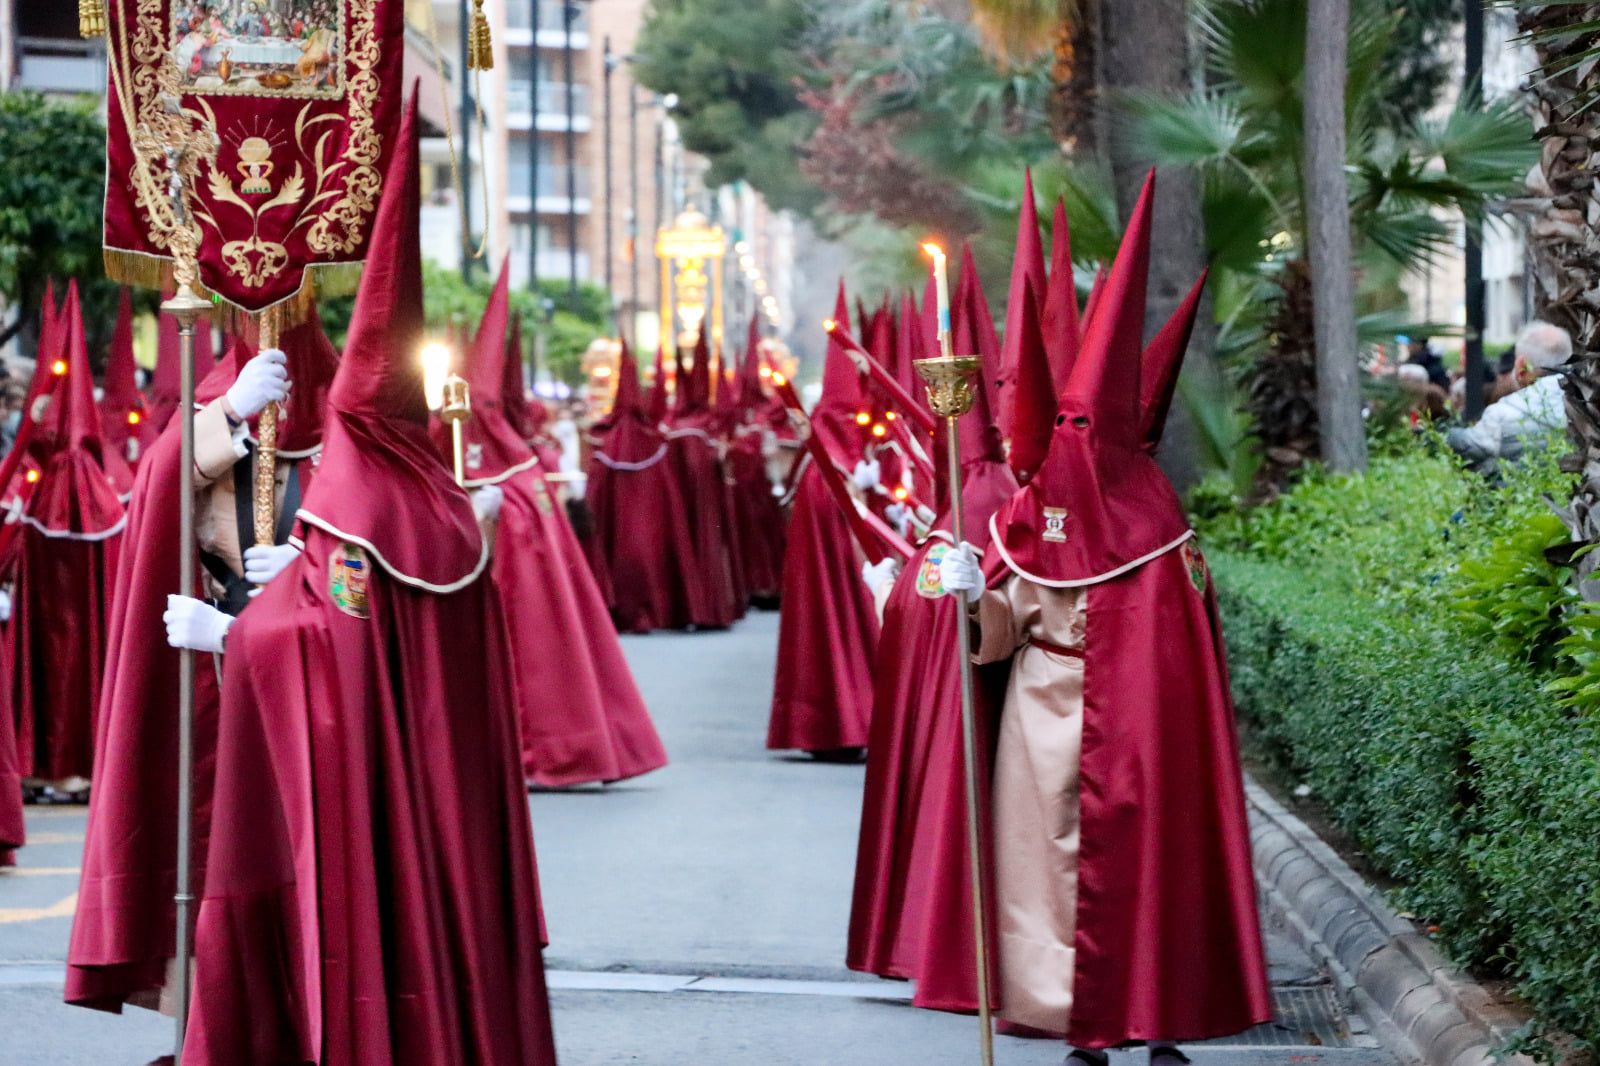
<point x="52" y="192"/>
<point x="735" y="67"/>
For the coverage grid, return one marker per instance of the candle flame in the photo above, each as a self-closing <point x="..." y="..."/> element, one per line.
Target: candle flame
<point x="33" y="475"/>
<point x="934" y="251"/>
<point x="880" y="430"/>
<point x="134" y="418"/>
<point x="890" y="415"/>
<point x="435" y="369"/>
<point x="901" y="493"/>
<point x="829" y="324"/>
<point x="779" y="379"/>
<point x="862" y="418"/>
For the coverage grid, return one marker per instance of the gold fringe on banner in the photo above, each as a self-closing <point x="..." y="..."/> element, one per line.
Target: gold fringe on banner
<point x="155" y="272"/>
<point x="480" y="44"/>
<point x="91" y="18"/>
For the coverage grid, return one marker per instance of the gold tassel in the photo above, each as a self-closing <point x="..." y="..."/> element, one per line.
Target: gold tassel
<point x="91" y="18"/>
<point x="480" y="45"/>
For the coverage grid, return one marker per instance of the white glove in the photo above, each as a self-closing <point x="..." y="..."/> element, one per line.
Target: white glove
<point x="264" y="380"/>
<point x="959" y="570"/>
<point x="876" y="575"/>
<point x="263" y="562"/>
<point x="5" y="606"/>
<point x="195" y="624"/>
<point x="868" y="475"/>
<point x="899" y="516"/>
<point x="486" y="502"/>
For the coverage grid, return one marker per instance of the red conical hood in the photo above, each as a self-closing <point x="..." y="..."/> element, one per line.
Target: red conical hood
<point x="909" y="346"/>
<point x="122" y="385"/>
<point x="492" y="447"/>
<point x="1032" y="397"/>
<point x="1163" y="358"/>
<point x="974" y="335"/>
<point x="377" y="459"/>
<point x="699" y="392"/>
<point x="76" y="419"/>
<point x="1059" y="319"/>
<point x="627" y="397"/>
<point x="749" y="394"/>
<point x="656" y="409"/>
<point x="524" y="418"/>
<point x="381" y="375"/>
<point x="486" y="356"/>
<point x="42" y="384"/>
<point x="1027" y="270"/>
<point x="841" y="382"/>
<point x="1099" y="506"/>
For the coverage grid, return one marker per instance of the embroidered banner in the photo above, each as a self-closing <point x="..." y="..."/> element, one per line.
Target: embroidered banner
<point x="304" y="97"/>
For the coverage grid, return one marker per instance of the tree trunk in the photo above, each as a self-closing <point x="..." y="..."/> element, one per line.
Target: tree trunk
<point x="1562" y="238"/>
<point x="1327" y="202"/>
<point x="1144" y="47"/>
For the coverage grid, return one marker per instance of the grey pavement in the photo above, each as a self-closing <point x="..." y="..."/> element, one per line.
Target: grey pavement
<point x="697" y="915"/>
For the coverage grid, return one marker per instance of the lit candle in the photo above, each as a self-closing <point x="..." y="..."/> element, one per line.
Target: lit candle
<point x="941" y="284"/>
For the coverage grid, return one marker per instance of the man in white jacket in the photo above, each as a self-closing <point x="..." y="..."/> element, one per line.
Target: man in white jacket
<point x="1536" y="409"/>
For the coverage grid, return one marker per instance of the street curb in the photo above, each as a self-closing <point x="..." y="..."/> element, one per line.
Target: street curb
<point x="1418" y="1003"/>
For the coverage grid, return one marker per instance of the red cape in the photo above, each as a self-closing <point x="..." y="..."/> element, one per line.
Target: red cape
<point x="66" y="551"/>
<point x="757" y="514"/>
<point x="372" y="898"/>
<point x="827" y="630"/>
<point x="121" y="404"/>
<point x="122" y="935"/>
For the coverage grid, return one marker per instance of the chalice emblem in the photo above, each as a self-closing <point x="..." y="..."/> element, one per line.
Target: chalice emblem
<point x="255" y="164"/>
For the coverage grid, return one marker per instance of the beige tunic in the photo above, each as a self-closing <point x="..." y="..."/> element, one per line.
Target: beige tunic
<point x="217" y="448"/>
<point x="1035" y="795"/>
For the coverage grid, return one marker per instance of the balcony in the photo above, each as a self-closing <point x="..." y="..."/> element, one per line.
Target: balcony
<point x="60" y="65"/>
<point x="552" y="188"/>
<point x="552" y="34"/>
<point x="552" y="106"/>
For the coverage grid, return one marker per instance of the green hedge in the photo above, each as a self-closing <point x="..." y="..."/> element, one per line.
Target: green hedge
<point x="1452" y="764"/>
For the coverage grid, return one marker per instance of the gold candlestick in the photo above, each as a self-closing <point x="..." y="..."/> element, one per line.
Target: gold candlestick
<point x="266" y="471"/>
<point x="456" y="410"/>
<point x="949" y="380"/>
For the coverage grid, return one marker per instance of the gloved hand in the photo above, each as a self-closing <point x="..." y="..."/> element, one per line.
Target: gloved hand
<point x="899" y="516"/>
<point x="486" y="502"/>
<point x="193" y="623"/>
<point x="263" y="562"/>
<point x="959" y="570"/>
<point x="264" y="380"/>
<point x="876" y="575"/>
<point x="5" y="606"/>
<point x="868" y="475"/>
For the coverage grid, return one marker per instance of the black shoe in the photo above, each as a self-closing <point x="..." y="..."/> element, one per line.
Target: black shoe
<point x="1085" y="1057"/>
<point x="1165" y="1056"/>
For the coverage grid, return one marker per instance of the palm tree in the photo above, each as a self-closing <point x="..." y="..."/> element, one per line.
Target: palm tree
<point x="1245" y="133"/>
<point x="1563" y="233"/>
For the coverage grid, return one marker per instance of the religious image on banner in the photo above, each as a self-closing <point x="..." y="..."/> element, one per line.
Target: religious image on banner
<point x="304" y="97"/>
<point x="260" y="47"/>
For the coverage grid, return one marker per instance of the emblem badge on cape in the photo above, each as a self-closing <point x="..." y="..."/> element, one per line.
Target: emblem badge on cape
<point x="928" y="583"/>
<point x="1055" y="525"/>
<point x="348" y="573"/>
<point x="541" y="497"/>
<point x="1199" y="576"/>
<point x="474" y="458"/>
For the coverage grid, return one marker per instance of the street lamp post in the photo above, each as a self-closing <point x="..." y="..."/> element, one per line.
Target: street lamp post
<point x="533" y="155"/>
<point x="1472" y="354"/>
<point x="466" y="147"/>
<point x="569" y="13"/>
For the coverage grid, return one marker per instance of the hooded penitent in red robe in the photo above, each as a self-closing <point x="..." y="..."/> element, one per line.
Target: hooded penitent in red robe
<point x="1141" y="924"/>
<point x="65" y="553"/>
<point x="693" y="456"/>
<point x="20" y="468"/>
<point x="757" y="514"/>
<point x="641" y="531"/>
<point x="582" y="717"/>
<point x="828" y="625"/>
<point x="911" y="914"/>
<point x="121" y="407"/>
<point x="370" y="895"/>
<point x="122" y="934"/>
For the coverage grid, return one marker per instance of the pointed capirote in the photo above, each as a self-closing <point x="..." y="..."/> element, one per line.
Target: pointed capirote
<point x="1104" y="384"/>
<point x="76" y="417"/>
<point x="380" y="373"/>
<point x="627" y="399"/>
<point x="485" y="368"/>
<point x="1162" y="360"/>
<point x="658" y="402"/>
<point x="1032" y="397"/>
<point x="1027" y="270"/>
<point x="841" y="382"/>
<point x="122" y="385"/>
<point x="749" y="372"/>
<point x="974" y="330"/>
<point x="1063" y="332"/>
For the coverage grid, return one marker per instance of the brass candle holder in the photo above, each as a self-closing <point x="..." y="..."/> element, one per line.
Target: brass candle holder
<point x="456" y="410"/>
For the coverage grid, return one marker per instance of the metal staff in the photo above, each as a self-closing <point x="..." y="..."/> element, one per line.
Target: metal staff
<point x="949" y="381"/>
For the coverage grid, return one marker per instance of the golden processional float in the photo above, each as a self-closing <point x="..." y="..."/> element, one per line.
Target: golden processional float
<point x="691" y="251"/>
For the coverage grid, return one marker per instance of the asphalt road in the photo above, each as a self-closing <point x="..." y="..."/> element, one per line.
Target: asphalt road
<point x="697" y="915"/>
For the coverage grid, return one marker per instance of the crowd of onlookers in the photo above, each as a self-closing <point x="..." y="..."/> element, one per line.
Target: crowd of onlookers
<point x="1521" y="392"/>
